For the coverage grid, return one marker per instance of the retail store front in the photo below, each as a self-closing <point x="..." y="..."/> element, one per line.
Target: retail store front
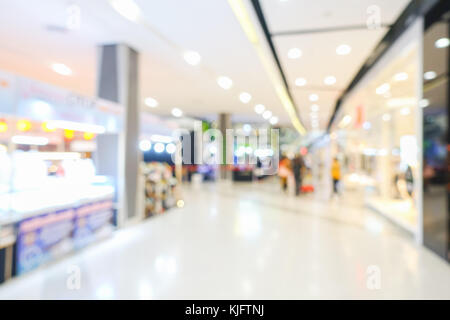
<point x="52" y="201"/>
<point x="377" y="134"/>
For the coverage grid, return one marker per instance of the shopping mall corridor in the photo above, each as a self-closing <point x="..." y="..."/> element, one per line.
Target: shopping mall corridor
<point x="247" y="241"/>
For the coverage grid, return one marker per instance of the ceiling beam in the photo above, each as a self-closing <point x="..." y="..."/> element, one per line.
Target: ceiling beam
<point x="324" y="30"/>
<point x="262" y="20"/>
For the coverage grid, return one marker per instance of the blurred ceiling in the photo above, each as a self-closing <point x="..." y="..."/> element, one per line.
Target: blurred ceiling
<point x="33" y="36"/>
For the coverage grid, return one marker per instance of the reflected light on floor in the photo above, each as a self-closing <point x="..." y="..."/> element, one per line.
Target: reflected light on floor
<point x="105" y="292"/>
<point x="248" y="224"/>
<point x="166" y="265"/>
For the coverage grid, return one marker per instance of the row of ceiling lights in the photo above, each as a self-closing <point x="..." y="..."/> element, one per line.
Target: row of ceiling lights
<point x="193" y="58"/>
<point x="384" y="89"/>
<point x="296" y="53"/>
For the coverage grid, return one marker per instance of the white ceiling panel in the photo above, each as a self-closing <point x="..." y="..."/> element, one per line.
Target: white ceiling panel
<point x="287" y="15"/>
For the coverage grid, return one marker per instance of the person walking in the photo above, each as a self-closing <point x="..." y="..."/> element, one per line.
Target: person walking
<point x="336" y="175"/>
<point x="283" y="172"/>
<point x="297" y="168"/>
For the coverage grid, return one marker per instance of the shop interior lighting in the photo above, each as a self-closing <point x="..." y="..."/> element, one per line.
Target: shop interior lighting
<point x="313" y="97"/>
<point x="294" y="53"/>
<point x="88" y="136"/>
<point x="259" y="108"/>
<point x="46" y="128"/>
<point x="30" y="140"/>
<point x="267" y="114"/>
<point x="3" y="126"/>
<point x="245" y="97"/>
<point x="315" y="108"/>
<point x="23" y="125"/>
<point x="62" y="69"/>
<point x="300" y="82"/>
<point x="329" y="80"/>
<point x="343" y="49"/>
<point x="405" y="111"/>
<point x="345" y="121"/>
<point x="159" y="147"/>
<point x="225" y="82"/>
<point x="424" y="103"/>
<point x="177" y="112"/>
<point x="242" y="15"/>
<point x="401" y="76"/>
<point x="386" y="117"/>
<point x="171" y="148"/>
<point x="192" y="57"/>
<point x="383" y="89"/>
<point x="273" y="120"/>
<point x="76" y="126"/>
<point x="151" y="102"/>
<point x="367" y="125"/>
<point x="442" y="43"/>
<point x="429" y="75"/>
<point x="69" y="134"/>
<point x="145" y="145"/>
<point x="127" y="8"/>
<point x="247" y="127"/>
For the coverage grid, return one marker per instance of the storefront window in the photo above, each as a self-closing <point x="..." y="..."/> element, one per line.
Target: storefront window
<point x="376" y="137"/>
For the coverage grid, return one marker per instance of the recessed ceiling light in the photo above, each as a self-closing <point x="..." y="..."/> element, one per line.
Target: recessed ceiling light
<point x="367" y="125"/>
<point x="62" y="69"/>
<point x="177" y="112"/>
<point x="383" y="89"/>
<point x="273" y="120"/>
<point x="294" y="53"/>
<point x="343" y="49"/>
<point x="386" y="117"/>
<point x="127" y="8"/>
<point x="405" y="111"/>
<point x="247" y="127"/>
<point x="245" y="97"/>
<point x="300" y="82"/>
<point x="259" y="108"/>
<point x="145" y="145"/>
<point x="442" y="43"/>
<point x="267" y="114"/>
<point x="314" y="115"/>
<point x="151" y="102"/>
<point x="159" y="147"/>
<point x="424" y="103"/>
<point x="171" y="148"/>
<point x="330" y="80"/>
<point x="429" y="75"/>
<point x="192" y="57"/>
<point x="401" y="76"/>
<point x="346" y="120"/>
<point x="225" y="82"/>
<point x="315" y="108"/>
<point x="313" y="97"/>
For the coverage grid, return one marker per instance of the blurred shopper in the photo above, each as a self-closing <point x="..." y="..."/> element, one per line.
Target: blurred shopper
<point x="336" y="175"/>
<point x="284" y="172"/>
<point x="297" y="168"/>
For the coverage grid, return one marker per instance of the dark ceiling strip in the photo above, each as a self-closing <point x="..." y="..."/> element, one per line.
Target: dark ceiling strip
<point x="325" y="30"/>
<point x="262" y="20"/>
<point x="414" y="9"/>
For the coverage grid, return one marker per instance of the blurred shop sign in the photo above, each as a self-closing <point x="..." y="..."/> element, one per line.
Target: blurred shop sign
<point x="7" y="89"/>
<point x="43" y="102"/>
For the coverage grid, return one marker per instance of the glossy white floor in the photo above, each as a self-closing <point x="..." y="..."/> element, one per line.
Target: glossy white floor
<point x="248" y="241"/>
